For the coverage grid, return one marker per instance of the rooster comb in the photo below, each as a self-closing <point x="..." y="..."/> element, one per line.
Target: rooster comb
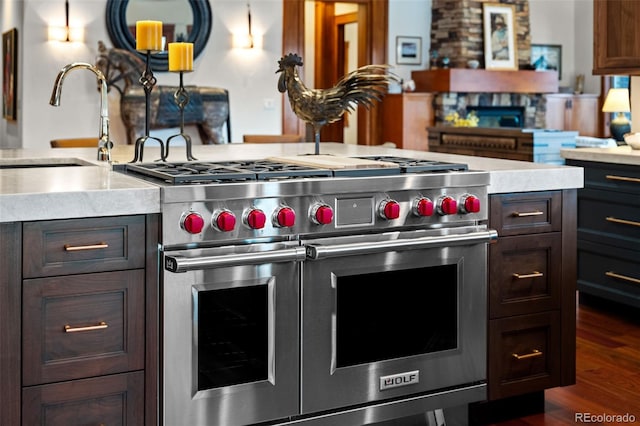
<point x="291" y="59"/>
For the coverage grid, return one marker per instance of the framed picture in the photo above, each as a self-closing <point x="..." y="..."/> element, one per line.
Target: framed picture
<point x="9" y="73"/>
<point x="500" y="51"/>
<point x="547" y="57"/>
<point x="409" y="50"/>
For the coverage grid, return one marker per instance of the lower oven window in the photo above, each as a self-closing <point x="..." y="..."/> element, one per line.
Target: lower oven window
<point x="394" y="314"/>
<point x="232" y="332"/>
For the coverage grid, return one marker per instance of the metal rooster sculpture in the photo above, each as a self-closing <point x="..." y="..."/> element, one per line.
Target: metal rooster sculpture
<point x="325" y="106"/>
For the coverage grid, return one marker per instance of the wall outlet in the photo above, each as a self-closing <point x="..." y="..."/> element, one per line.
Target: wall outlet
<point x="269" y="103"/>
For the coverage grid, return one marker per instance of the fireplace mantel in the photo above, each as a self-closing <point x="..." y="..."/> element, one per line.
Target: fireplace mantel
<point x="464" y="80"/>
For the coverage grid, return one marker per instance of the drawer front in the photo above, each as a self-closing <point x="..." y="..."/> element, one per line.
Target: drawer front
<point x="524" y="354"/>
<point x="609" y="218"/>
<point x="609" y="272"/>
<point x="525" y="274"/>
<point x="82" y="326"/>
<point x="111" y="400"/>
<point x="526" y="213"/>
<point x="74" y="246"/>
<point x="619" y="177"/>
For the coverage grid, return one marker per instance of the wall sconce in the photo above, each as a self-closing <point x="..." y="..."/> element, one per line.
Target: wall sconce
<point x="618" y="101"/>
<point x="66" y="33"/>
<point x="247" y="40"/>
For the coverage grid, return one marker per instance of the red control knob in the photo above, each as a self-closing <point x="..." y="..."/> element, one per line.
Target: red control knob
<point x="470" y="204"/>
<point x="285" y="217"/>
<point x="423" y="207"/>
<point x="447" y="205"/>
<point x="224" y="221"/>
<point x="256" y="219"/>
<point x="321" y="214"/>
<point x="390" y="210"/>
<point x="192" y="223"/>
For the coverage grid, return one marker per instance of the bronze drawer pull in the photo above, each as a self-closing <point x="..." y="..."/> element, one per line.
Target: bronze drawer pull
<point x="622" y="221"/>
<point x="534" y="274"/>
<point x="525" y="214"/>
<point x="531" y="355"/>
<point x="623" y="178"/>
<point x="67" y="247"/>
<point x="622" y="277"/>
<point x="101" y="325"/>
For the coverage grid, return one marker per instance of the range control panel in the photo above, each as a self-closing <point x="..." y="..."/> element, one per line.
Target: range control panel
<point x="233" y="219"/>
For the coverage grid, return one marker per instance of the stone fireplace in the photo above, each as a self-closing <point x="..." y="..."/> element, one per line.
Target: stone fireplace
<point x="457" y="34"/>
<point x="533" y="105"/>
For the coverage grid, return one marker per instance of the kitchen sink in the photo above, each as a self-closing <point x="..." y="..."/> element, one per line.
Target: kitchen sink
<point x="30" y="163"/>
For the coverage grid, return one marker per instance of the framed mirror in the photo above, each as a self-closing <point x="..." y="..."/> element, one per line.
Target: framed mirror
<point x="183" y="20"/>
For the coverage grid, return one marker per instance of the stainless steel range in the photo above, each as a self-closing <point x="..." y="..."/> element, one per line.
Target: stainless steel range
<point x="309" y="295"/>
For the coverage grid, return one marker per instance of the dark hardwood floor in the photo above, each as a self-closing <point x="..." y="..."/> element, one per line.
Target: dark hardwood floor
<point x="607" y="370"/>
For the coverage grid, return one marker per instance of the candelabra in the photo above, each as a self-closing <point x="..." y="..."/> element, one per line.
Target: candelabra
<point x="181" y="97"/>
<point x="148" y="81"/>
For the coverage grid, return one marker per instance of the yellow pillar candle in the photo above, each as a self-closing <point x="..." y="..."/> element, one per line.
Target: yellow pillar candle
<point x="180" y="57"/>
<point x="149" y="35"/>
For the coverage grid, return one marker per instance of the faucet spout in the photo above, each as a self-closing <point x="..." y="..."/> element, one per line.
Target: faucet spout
<point x="104" y="144"/>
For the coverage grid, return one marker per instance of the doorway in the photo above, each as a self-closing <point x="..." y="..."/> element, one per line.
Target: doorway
<point x="372" y="49"/>
<point x="335" y="42"/>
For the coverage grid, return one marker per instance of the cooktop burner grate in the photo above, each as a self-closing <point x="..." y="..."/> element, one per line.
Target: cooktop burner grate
<point x="413" y="165"/>
<point x="271" y="170"/>
<point x="204" y="172"/>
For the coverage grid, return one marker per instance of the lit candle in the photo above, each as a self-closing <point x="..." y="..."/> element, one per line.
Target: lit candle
<point x="180" y="57"/>
<point x="149" y="35"/>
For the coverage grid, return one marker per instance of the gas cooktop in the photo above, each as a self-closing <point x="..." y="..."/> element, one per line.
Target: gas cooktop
<point x="204" y="172"/>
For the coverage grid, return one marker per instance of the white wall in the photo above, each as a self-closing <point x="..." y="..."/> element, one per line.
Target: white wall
<point x="568" y="23"/>
<point x="409" y="18"/>
<point x="248" y="75"/>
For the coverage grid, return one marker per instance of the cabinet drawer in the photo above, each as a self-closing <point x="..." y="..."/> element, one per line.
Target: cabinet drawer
<point x="525" y="274"/>
<point x="609" y="272"/>
<point x="619" y="177"/>
<point x="526" y="213"/>
<point x="608" y="218"/>
<point x="524" y="354"/>
<point x="73" y="246"/>
<point x="82" y="326"/>
<point x="111" y="400"/>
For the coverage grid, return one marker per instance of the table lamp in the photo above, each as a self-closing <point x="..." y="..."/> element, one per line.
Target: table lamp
<point x="618" y="101"/>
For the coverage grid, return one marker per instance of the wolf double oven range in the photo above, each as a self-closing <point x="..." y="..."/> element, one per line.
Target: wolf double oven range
<point x="303" y="295"/>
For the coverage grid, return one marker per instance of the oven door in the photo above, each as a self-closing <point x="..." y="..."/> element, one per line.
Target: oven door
<point x="230" y="334"/>
<point x="391" y="315"/>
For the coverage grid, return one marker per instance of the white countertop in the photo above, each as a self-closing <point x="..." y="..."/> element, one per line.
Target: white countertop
<point x="616" y="155"/>
<point x="88" y="191"/>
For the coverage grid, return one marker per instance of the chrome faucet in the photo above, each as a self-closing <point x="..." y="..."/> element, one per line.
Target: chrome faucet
<point x="104" y="144"/>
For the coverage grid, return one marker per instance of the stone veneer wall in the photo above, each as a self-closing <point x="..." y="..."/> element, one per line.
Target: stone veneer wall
<point x="457" y="33"/>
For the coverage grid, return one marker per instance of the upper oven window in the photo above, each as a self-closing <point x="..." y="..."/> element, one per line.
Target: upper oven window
<point x="232" y="336"/>
<point x="394" y="314"/>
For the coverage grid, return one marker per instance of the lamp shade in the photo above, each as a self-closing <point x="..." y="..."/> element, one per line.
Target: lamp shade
<point x="617" y="101"/>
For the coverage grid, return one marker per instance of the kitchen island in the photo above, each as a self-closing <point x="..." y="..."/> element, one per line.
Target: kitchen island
<point x="609" y="223"/>
<point x="39" y="206"/>
<point x="83" y="191"/>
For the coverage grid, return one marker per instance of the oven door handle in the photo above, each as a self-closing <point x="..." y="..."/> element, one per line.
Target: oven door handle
<point x="177" y="263"/>
<point x="351" y="249"/>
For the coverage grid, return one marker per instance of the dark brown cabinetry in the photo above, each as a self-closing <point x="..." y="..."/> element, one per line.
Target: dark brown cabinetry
<point x="531" y="298"/>
<point x="86" y="321"/>
<point x="609" y="231"/>
<point x="615" y="36"/>
<point x="537" y="145"/>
